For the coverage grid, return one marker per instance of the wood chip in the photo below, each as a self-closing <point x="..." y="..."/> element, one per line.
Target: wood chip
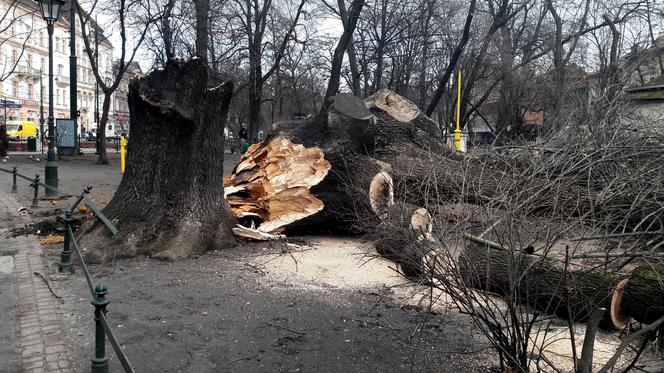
<point x="51" y="240"/>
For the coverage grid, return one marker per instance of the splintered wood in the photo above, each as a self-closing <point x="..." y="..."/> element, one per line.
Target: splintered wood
<point x="270" y="186"/>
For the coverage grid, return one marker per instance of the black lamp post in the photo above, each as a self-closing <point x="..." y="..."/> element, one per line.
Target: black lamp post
<point x="50" y="10"/>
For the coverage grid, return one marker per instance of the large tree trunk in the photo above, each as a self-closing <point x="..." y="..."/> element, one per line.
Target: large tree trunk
<point x="170" y="202"/>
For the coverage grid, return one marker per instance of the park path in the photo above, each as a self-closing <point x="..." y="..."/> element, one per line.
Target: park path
<point x="33" y="339"/>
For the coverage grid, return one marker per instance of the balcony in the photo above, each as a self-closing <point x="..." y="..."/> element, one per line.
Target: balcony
<point x="61" y="80"/>
<point x="26" y="71"/>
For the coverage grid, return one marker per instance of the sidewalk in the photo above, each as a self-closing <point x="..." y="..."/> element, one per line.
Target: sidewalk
<point x="31" y="328"/>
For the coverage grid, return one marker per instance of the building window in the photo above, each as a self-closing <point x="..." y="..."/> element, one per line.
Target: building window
<point x="43" y="65"/>
<point x="41" y="38"/>
<point x="30" y="90"/>
<point x="15" y="89"/>
<point x="14" y="57"/>
<point x="29" y="61"/>
<point x="60" y="68"/>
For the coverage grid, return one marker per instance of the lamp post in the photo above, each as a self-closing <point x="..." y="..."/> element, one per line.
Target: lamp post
<point x="73" y="99"/>
<point x="41" y="110"/>
<point x="50" y="10"/>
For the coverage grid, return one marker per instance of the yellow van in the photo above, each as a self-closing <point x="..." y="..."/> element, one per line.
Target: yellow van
<point x="21" y="130"/>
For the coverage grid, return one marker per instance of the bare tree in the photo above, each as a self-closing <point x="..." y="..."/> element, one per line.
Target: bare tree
<point x="254" y="16"/>
<point x="335" y="75"/>
<point x="125" y="11"/>
<point x="16" y="28"/>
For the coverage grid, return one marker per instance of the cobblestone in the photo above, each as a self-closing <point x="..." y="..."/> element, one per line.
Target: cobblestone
<point x="42" y="347"/>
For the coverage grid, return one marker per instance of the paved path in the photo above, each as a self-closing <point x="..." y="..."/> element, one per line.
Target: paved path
<point x="32" y="335"/>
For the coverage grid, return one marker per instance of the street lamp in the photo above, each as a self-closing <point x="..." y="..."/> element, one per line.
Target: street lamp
<point x="50" y="12"/>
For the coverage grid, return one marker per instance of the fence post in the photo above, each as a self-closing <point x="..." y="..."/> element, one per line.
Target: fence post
<point x="14" y="179"/>
<point x="35" y="199"/>
<point x="100" y="361"/>
<point x="65" y="256"/>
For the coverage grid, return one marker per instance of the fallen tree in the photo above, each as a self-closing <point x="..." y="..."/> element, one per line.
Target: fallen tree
<point x="359" y="139"/>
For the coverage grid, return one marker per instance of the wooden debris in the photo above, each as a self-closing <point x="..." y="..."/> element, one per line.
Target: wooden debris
<point x="255" y="234"/>
<point x="270" y="185"/>
<point x="51" y="240"/>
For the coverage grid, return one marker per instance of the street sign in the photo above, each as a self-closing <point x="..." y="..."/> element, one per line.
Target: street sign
<point x="8" y="104"/>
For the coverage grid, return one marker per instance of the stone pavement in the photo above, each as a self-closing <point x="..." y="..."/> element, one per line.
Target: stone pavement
<point x="33" y="340"/>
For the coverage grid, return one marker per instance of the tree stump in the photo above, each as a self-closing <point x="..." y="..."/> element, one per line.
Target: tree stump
<point x="170" y="202"/>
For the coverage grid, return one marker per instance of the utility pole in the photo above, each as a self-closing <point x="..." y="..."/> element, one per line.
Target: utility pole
<point x="73" y="78"/>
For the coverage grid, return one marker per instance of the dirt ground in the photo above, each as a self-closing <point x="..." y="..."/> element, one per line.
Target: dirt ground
<point x="257" y="309"/>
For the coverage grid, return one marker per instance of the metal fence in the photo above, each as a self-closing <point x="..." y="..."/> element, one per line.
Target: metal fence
<point x="98" y="292"/>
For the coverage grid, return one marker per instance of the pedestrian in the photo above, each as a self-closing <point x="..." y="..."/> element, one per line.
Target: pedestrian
<point x="242" y="134"/>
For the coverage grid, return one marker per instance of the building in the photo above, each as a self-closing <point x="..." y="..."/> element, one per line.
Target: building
<point x="119" y="120"/>
<point x="24" y="45"/>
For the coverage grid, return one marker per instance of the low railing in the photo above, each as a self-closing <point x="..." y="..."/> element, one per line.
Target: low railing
<point x="99" y="300"/>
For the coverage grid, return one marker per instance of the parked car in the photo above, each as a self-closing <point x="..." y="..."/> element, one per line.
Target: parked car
<point x="21" y="130"/>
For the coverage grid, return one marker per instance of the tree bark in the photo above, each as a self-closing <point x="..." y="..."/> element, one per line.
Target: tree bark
<point x="170" y="202"/>
<point x="101" y="129"/>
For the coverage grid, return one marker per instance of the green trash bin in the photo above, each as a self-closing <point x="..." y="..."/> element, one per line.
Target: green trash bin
<point x="32" y="144"/>
<point x="245" y="147"/>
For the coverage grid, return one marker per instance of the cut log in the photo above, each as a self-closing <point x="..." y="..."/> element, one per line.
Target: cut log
<point x="640" y="296"/>
<point x="403" y="227"/>
<point x="270" y="185"/>
<point x="539" y="283"/>
<point x="381" y="194"/>
<point x="397" y="106"/>
<point x="401" y="234"/>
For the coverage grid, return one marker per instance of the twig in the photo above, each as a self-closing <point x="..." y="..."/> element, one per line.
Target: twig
<point x="616" y="235"/>
<point x="483" y="241"/>
<point x="284" y="328"/>
<point x="238" y="359"/>
<point x="629" y="339"/>
<point x="417" y="328"/>
<point x="623" y="254"/>
<point x="47" y="284"/>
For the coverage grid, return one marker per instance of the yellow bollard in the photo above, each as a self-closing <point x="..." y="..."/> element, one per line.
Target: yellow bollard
<point x="457" y="131"/>
<point x="123" y="144"/>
